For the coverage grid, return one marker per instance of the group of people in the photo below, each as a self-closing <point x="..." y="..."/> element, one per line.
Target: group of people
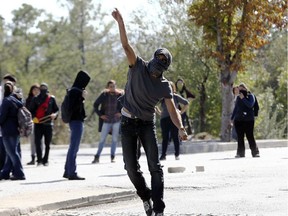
<point x="146" y="86"/>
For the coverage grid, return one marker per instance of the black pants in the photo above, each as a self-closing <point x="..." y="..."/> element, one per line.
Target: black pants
<point x="131" y="131"/>
<point x="168" y="128"/>
<point x="40" y="131"/>
<point x="245" y="128"/>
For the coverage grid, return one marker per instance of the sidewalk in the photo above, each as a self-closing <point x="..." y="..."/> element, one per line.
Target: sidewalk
<point x="45" y="188"/>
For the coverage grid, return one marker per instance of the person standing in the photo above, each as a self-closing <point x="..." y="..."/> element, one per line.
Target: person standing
<point x="182" y="90"/>
<point x="243" y="119"/>
<point x="10" y="134"/>
<point x="76" y="105"/>
<point x="108" y="108"/>
<point x="168" y="129"/>
<point x="33" y="92"/>
<point x="6" y="78"/>
<point x="44" y="110"/>
<point x="145" y="87"/>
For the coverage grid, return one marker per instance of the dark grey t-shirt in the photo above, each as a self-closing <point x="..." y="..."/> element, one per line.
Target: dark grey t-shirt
<point x="143" y="92"/>
<point x="177" y="100"/>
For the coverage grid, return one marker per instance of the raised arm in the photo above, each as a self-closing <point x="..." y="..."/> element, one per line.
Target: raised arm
<point x="131" y="56"/>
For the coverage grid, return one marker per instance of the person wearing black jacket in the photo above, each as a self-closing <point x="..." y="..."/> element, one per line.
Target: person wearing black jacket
<point x="243" y="118"/>
<point x="44" y="110"/>
<point x="76" y="103"/>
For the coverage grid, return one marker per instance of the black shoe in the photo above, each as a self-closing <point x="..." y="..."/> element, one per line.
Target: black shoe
<point x="162" y="158"/>
<point x="96" y="159"/>
<point x="239" y="156"/>
<point x="46" y="164"/>
<point x="4" y="177"/>
<point x="148" y="207"/>
<point x="256" y="155"/>
<point x="76" y="177"/>
<point x="113" y="159"/>
<point x="31" y="163"/>
<point x="14" y="178"/>
<point x="65" y="175"/>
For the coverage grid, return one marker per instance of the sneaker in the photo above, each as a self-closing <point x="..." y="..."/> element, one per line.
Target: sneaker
<point x="239" y="156"/>
<point x="113" y="159"/>
<point x="162" y="158"/>
<point x="157" y="214"/>
<point x="148" y="207"/>
<point x="256" y="155"/>
<point x="32" y="162"/>
<point x="96" y="159"/>
<point x="177" y="157"/>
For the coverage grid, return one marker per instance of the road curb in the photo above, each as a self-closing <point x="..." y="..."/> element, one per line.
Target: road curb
<point x="73" y="203"/>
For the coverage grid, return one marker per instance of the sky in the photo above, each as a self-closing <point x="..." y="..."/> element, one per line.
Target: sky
<point x="54" y="6"/>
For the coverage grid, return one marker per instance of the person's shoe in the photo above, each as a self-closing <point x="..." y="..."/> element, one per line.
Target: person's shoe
<point x="76" y="177"/>
<point x="46" y="164"/>
<point x="14" y="178"/>
<point x="158" y="214"/>
<point x="32" y="162"/>
<point x="239" y="156"/>
<point x="162" y="158"/>
<point x="256" y="155"/>
<point x="65" y="175"/>
<point x="39" y="164"/>
<point x="96" y="159"/>
<point x="177" y="157"/>
<point x="148" y="207"/>
<point x="113" y="159"/>
<point x="4" y="177"/>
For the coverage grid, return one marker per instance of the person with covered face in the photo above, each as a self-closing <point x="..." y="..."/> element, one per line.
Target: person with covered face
<point x="44" y="110"/>
<point x="77" y="96"/>
<point x="145" y="86"/>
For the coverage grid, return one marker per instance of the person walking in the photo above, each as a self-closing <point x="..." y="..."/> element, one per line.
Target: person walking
<point x="108" y="108"/>
<point x="145" y="87"/>
<point x="10" y="134"/>
<point x="33" y="92"/>
<point x="44" y="110"/>
<point x="168" y="129"/>
<point x="76" y="105"/>
<point x="243" y="119"/>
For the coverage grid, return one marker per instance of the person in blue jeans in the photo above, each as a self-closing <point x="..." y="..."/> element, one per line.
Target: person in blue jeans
<point x="145" y="86"/>
<point x="10" y="134"/>
<point x="76" y="103"/>
<point x="108" y="109"/>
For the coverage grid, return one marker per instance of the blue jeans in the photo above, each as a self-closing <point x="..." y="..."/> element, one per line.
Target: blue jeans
<point x="104" y="133"/>
<point x="131" y="130"/>
<point x="76" y="128"/>
<point x="13" y="157"/>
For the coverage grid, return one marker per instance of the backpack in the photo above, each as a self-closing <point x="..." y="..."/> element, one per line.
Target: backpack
<point x="25" y="121"/>
<point x="66" y="111"/>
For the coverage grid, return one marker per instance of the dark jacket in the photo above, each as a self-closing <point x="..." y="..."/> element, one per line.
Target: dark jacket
<point x="76" y="100"/>
<point x="52" y="107"/>
<point x="8" y="116"/>
<point x="243" y="110"/>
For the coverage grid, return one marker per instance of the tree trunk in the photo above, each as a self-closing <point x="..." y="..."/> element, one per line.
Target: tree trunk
<point x="202" y="102"/>
<point x="227" y="105"/>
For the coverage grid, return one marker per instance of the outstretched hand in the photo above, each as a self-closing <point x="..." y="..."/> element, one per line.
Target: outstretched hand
<point x="117" y="15"/>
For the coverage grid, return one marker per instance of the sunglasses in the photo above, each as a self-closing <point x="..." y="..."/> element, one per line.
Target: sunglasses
<point x="162" y="58"/>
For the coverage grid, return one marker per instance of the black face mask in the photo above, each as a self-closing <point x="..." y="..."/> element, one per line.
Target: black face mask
<point x="43" y="92"/>
<point x="155" y="68"/>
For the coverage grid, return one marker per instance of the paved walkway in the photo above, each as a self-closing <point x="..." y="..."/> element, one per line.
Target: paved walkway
<point x="45" y="188"/>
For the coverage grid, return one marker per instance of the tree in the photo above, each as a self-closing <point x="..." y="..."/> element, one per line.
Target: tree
<point x="233" y="29"/>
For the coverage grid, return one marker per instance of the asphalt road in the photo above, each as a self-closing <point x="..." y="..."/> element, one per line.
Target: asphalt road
<point x="228" y="186"/>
